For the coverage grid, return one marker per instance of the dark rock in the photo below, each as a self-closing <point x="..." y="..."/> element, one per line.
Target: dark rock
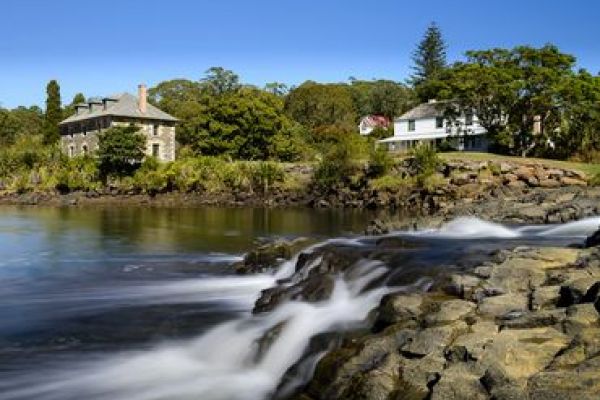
<point x="593" y="240"/>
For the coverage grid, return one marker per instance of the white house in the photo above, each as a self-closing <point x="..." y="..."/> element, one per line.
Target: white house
<point x="426" y="124"/>
<point x="370" y="122"/>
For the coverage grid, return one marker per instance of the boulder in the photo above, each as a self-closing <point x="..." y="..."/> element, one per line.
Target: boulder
<point x="459" y="383"/>
<point x="396" y="308"/>
<point x="521" y="353"/>
<point x="549" y="183"/>
<point x="462" y="285"/>
<point x="580" y="383"/>
<point x="501" y="305"/>
<point x="449" y="311"/>
<point x="566" y="181"/>
<point x="543" y="297"/>
<point x="433" y="339"/>
<point x="593" y="239"/>
<point x="471" y="345"/>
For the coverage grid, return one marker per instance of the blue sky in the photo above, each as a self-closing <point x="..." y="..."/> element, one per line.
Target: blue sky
<point x="101" y="47"/>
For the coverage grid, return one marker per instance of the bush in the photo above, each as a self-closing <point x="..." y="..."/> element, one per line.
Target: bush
<point x="380" y="162"/>
<point x="335" y="168"/>
<point x="120" y="151"/>
<point x="390" y="183"/>
<point x="426" y="161"/>
<point x="265" y="174"/>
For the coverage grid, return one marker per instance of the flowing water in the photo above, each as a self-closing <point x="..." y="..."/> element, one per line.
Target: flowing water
<point x="143" y="305"/>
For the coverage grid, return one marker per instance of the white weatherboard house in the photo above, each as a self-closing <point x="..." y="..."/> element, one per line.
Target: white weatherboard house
<point x="426" y="124"/>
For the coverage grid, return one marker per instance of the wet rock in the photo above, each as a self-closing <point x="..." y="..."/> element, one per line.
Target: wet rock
<point x="376" y="227"/>
<point x="503" y="304"/>
<point x="535" y="319"/>
<point x="418" y="375"/>
<point x="270" y="255"/>
<point x="397" y="308"/>
<point x="593" y="240"/>
<point x="462" y="285"/>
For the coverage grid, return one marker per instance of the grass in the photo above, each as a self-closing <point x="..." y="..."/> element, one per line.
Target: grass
<point x="591" y="170"/>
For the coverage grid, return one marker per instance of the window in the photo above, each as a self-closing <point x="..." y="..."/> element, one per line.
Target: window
<point x="71" y="151"/>
<point x="411" y="125"/>
<point x="155" y="150"/>
<point x="469" y="119"/>
<point x="439" y="122"/>
<point x="84" y="149"/>
<point x="155" y="129"/>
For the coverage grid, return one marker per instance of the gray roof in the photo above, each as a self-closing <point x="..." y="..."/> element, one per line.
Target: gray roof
<point x="425" y="110"/>
<point x="125" y="105"/>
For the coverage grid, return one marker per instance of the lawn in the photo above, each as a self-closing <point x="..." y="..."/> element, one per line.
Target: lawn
<point x="589" y="169"/>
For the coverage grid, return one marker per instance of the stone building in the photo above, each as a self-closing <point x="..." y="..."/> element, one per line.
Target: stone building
<point x="79" y="132"/>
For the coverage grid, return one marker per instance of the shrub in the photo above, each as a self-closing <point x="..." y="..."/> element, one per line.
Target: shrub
<point x="334" y="168"/>
<point x="120" y="151"/>
<point x="380" y="162"/>
<point x="390" y="182"/>
<point x="265" y="174"/>
<point x="426" y="162"/>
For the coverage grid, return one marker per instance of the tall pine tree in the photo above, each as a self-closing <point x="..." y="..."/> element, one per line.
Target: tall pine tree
<point x="430" y="56"/>
<point x="53" y="114"/>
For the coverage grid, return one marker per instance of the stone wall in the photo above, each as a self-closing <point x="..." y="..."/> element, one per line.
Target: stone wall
<point x="157" y="134"/>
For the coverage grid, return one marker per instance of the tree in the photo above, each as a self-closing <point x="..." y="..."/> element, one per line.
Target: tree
<point x="430" y="56"/>
<point x="509" y="89"/>
<point x="240" y="124"/>
<point x="53" y="114"/>
<point x="70" y="109"/>
<point x="120" y="151"/>
<point x="220" y="80"/>
<point x="317" y="105"/>
<point x="381" y="97"/>
<point x="276" y="88"/>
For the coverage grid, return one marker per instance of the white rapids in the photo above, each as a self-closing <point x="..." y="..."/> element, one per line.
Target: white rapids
<point x="225" y="363"/>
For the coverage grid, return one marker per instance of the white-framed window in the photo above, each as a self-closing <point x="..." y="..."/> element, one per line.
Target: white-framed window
<point x="155" y="129"/>
<point x="439" y="122"/>
<point x="71" y="151"/>
<point x="155" y="150"/>
<point x="411" y="125"/>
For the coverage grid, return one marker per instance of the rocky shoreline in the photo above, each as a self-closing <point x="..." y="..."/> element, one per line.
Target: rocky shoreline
<point x="516" y="323"/>
<point x="460" y="186"/>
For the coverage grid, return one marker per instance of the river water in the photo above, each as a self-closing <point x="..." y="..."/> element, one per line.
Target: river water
<point x="131" y="303"/>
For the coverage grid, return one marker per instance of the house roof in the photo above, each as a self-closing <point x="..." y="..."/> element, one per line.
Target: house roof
<point x="124" y="105"/>
<point x="425" y="110"/>
<point x="376" y="120"/>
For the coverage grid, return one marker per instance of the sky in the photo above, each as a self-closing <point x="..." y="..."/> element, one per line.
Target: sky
<point x="109" y="46"/>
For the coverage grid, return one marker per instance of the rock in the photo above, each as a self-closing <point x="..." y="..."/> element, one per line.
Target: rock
<point x="270" y="255"/>
<point x="460" y="179"/>
<point x="462" y="285"/>
<point x="376" y="227"/>
<point x="449" y="311"/>
<point x="524" y="173"/>
<point x="566" y="181"/>
<point x="459" y="383"/>
<point x="398" y="308"/>
<point x="593" y="240"/>
<point x="580" y="316"/>
<point x="544" y="297"/>
<point x="417" y="375"/>
<point x="549" y="183"/>
<point x="532" y="214"/>
<point x="538" y="319"/>
<point x="471" y="345"/>
<point x="521" y="353"/>
<point x="503" y="304"/>
<point x="434" y="339"/>
<point x="579" y="290"/>
<point x="580" y="383"/>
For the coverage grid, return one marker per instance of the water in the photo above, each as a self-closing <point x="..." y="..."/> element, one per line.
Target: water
<point x="142" y="304"/>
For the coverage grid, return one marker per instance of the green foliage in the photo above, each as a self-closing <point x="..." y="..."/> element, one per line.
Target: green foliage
<point x="120" y="151"/>
<point x="79" y="173"/>
<point x="429" y="58"/>
<point x="265" y="174"/>
<point x="70" y="109"/>
<point x="390" y="183"/>
<point x="335" y="168"/>
<point x="219" y="81"/>
<point x="509" y="89"/>
<point x="380" y="162"/>
<point x="53" y="114"/>
<point x="381" y="97"/>
<point x="318" y="105"/>
<point x="426" y="162"/>
<point x="19" y="121"/>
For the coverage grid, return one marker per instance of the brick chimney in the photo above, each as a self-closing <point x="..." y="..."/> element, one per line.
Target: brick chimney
<point x="142" y="97"/>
